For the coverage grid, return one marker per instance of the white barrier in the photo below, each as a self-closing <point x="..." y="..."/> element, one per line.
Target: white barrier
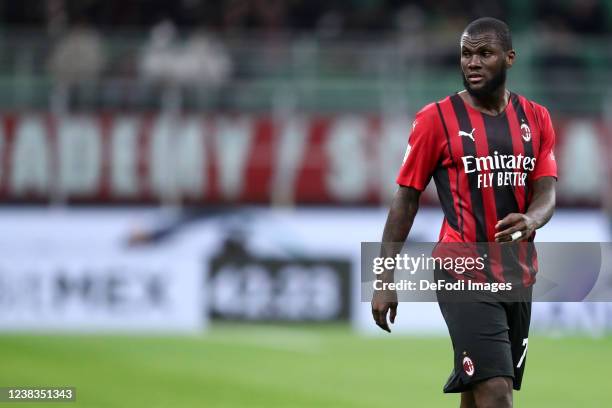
<point x="72" y="270"/>
<point x="104" y="292"/>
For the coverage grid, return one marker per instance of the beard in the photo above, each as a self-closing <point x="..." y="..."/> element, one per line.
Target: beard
<point x="489" y="87"/>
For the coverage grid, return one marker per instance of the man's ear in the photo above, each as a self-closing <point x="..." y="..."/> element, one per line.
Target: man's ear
<point x="510" y="55"/>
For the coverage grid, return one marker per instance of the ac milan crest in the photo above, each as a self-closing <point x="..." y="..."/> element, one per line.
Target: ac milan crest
<point x="468" y="366"/>
<point x="525" y="132"/>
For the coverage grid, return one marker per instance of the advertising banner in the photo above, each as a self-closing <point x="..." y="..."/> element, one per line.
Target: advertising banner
<point x="152" y="158"/>
<point x="135" y="270"/>
<point x="101" y="292"/>
<point x="76" y="271"/>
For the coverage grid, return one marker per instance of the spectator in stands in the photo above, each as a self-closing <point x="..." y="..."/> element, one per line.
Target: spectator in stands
<point x="201" y="61"/>
<point x="77" y="61"/>
<point x="159" y="57"/>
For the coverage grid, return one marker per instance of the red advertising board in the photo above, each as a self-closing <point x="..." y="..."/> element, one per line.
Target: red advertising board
<point x="148" y="158"/>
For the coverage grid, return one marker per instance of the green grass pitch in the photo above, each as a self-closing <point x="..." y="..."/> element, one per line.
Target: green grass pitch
<point x="288" y="366"/>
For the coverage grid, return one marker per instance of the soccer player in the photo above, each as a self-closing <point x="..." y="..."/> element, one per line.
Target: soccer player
<point x="490" y="152"/>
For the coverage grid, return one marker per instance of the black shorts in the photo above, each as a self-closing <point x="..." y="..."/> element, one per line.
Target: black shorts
<point x="489" y="340"/>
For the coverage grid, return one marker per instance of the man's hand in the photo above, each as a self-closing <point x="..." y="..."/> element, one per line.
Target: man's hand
<point x="513" y="223"/>
<point x="538" y="213"/>
<point x="384" y="301"/>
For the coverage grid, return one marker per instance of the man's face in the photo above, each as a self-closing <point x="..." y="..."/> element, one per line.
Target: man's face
<point x="484" y="63"/>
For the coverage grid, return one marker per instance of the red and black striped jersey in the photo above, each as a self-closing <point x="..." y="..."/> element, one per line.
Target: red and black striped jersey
<point x="483" y="165"/>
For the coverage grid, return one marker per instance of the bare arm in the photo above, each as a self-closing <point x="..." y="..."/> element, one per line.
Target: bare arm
<point x="401" y="216"/>
<point x="403" y="209"/>
<point x="539" y="212"/>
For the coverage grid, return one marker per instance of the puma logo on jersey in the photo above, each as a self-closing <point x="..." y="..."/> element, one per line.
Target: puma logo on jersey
<point x="407" y="152"/>
<point x="470" y="135"/>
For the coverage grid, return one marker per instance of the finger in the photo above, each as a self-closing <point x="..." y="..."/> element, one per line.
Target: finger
<point x="525" y="236"/>
<point x="509" y="231"/>
<point x="381" y="320"/>
<point x="503" y="238"/>
<point x="392" y="313"/>
<point x="508" y="220"/>
<point x="506" y="239"/>
<point x="514" y="237"/>
<point x="375" y="315"/>
<point x="384" y="326"/>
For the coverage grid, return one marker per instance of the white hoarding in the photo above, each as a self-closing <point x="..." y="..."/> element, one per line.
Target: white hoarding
<point x="74" y="271"/>
<point x="100" y="292"/>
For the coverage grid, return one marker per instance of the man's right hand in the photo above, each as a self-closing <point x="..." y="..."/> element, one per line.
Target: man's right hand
<point x="384" y="302"/>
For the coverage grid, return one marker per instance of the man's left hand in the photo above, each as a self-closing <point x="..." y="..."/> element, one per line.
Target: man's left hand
<point x="512" y="223"/>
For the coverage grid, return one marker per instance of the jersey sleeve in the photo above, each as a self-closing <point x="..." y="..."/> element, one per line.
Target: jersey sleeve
<point x="424" y="150"/>
<point x="546" y="164"/>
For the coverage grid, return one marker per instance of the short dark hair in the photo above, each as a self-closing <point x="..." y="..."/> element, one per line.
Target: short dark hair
<point x="486" y="25"/>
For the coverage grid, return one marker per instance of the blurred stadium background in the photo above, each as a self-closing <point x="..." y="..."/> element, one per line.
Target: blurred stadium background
<point x="184" y="187"/>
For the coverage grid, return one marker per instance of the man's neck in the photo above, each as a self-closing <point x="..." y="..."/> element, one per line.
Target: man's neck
<point x="493" y="104"/>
